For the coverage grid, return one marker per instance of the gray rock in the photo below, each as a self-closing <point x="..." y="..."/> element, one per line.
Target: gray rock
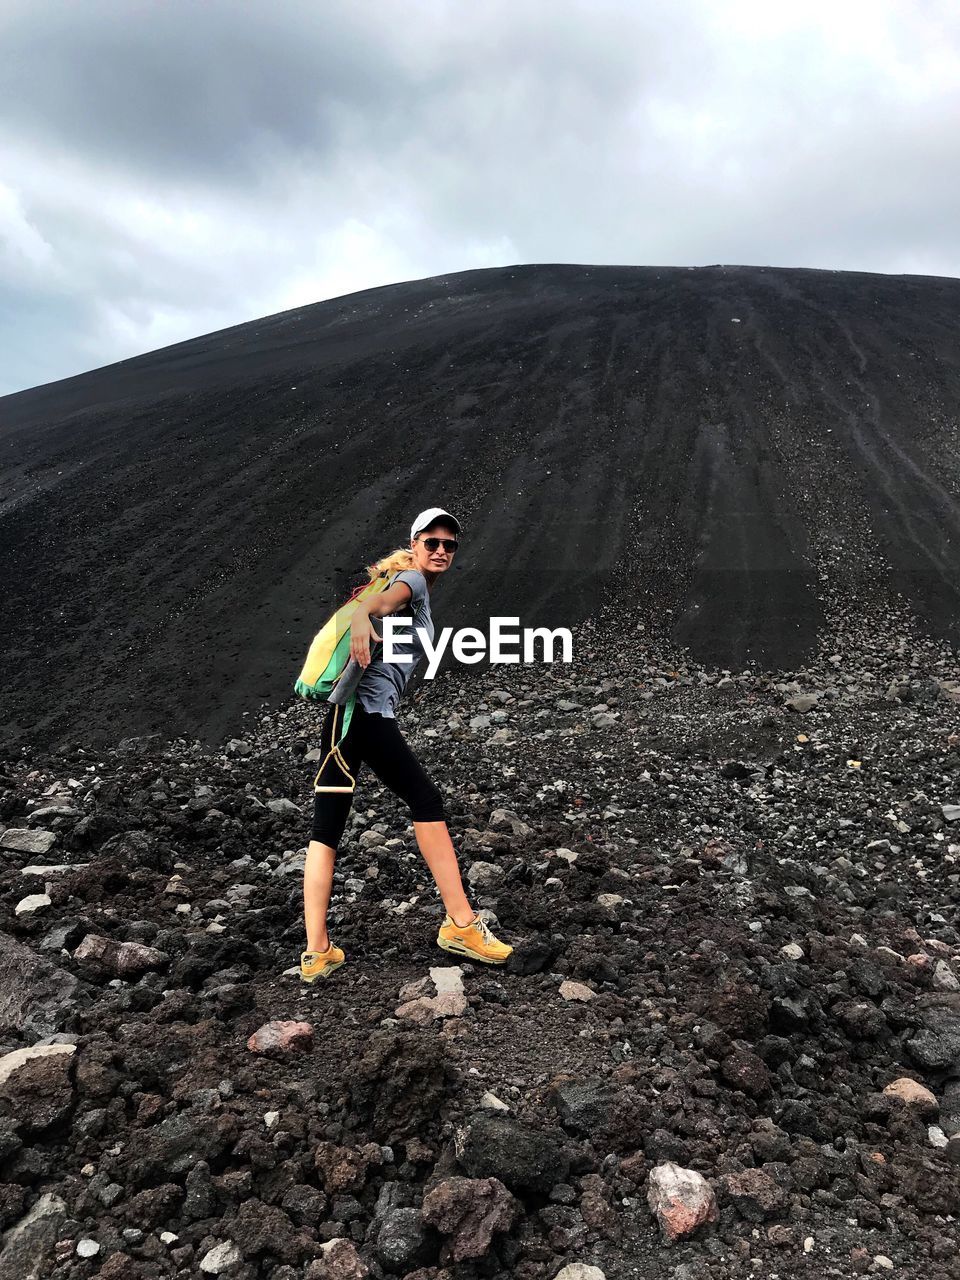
<point x="124" y="959"/>
<point x="507" y="820"/>
<point x="494" y="1145"/>
<point x="950" y="1109"/>
<point x="484" y="875"/>
<point x="53" y="869"/>
<point x="401" y="1241"/>
<point x="28" y="1245"/>
<point x="48" y="811"/>
<point x="802" y="702"/>
<point x="22" y="840"/>
<point x="286" y="807"/>
<point x="181" y="1140"/>
<point x="936" y="1045"/>
<point x="588" y="1106"/>
<point x="36" y="997"/>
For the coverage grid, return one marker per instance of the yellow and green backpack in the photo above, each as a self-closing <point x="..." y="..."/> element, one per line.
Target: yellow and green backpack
<point x="326" y="660"/>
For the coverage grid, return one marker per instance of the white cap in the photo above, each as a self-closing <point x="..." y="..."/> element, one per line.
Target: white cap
<point x="426" y="518"/>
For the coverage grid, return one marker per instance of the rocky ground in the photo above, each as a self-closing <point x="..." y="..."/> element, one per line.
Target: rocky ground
<point x="728" y="1043"/>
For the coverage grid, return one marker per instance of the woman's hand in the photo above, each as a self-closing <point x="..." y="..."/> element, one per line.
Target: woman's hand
<point x="361" y="633"/>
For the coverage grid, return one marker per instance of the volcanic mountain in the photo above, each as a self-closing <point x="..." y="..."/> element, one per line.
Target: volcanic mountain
<point x="707" y="453"/>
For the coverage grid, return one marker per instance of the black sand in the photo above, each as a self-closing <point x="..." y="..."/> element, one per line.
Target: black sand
<point x="705" y="449"/>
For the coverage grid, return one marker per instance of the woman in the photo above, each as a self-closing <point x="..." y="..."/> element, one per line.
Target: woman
<point x="374" y="738"/>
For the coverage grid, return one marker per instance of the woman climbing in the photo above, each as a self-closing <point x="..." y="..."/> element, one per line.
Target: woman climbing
<point x="373" y="738"/>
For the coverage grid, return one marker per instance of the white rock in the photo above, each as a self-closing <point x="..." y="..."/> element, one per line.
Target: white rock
<point x="580" y="1271"/>
<point x="808" y="1244"/>
<point x="220" y="1257"/>
<point x="567" y="855"/>
<point x="87" y="1248"/>
<point x="169" y="1237"/>
<point x="937" y="1137"/>
<point x="792" y="951"/>
<point x="951" y="812"/>
<point x="881" y="1260"/>
<point x="32" y="902"/>
<point x="448" y="979"/>
<point x="492" y="1103"/>
<point x="52" y="869"/>
<point x="270" y="1118"/>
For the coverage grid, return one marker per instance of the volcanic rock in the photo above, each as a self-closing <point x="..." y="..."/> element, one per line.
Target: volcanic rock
<point x="682" y="1200"/>
<point x="469" y="1212"/>
<point x="524" y="1159"/>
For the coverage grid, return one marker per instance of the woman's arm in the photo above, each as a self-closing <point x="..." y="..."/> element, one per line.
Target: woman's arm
<point x="361" y="628"/>
<point x="388" y="601"/>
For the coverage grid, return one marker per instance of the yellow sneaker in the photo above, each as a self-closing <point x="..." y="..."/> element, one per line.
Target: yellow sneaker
<point x="473" y="940"/>
<point x="320" y="964"/>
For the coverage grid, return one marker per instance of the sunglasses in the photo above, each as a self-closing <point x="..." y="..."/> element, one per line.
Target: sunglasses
<point x="448" y="544"/>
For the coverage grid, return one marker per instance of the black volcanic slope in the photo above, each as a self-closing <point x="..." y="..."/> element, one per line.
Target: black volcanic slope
<point x="707" y="450"/>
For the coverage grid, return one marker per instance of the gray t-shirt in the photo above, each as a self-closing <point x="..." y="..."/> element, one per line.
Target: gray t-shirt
<point x="383" y="682"/>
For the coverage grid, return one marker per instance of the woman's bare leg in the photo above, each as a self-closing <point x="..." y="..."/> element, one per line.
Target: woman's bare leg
<point x="440" y="856"/>
<point x="317" y="887"/>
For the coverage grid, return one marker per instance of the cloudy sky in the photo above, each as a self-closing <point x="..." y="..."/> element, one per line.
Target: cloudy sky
<point x="171" y="167"/>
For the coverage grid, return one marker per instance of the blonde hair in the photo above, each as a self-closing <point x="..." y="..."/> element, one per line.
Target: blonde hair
<point x="394" y="562"/>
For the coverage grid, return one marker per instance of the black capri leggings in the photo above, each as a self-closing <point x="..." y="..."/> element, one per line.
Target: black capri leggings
<point x="375" y="740"/>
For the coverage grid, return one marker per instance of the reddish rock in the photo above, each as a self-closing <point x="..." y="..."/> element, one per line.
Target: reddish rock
<point x="682" y="1200"/>
<point x="747" y="1072"/>
<point x="469" y="1211"/>
<point x="344" y="1169"/>
<point x="339" y="1261"/>
<point x="635" y="1167"/>
<point x="595" y="1207"/>
<point x="913" y="1095"/>
<point x="282" y="1037"/>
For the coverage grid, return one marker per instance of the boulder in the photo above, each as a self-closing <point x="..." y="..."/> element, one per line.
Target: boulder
<point x="469" y="1212"/>
<point x="682" y="1200"/>
<point x="494" y="1145"/>
<point x="122" y="959"/>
